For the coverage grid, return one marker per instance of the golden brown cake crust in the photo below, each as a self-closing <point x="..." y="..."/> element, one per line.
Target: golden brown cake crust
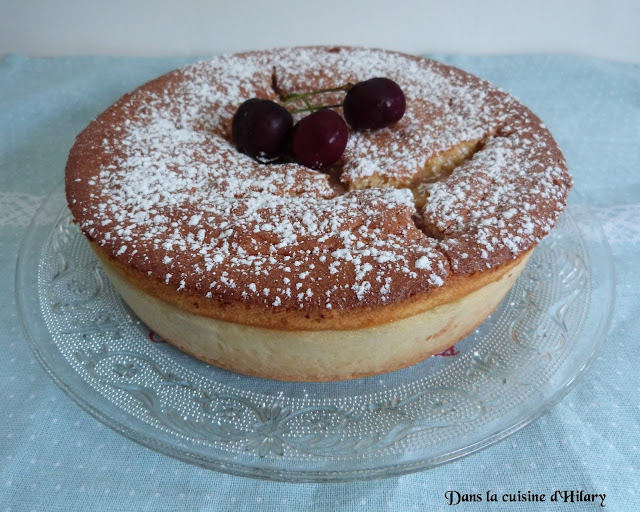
<point x="155" y="184"/>
<point x="358" y="317"/>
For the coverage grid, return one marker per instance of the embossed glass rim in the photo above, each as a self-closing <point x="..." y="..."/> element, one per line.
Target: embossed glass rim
<point x="598" y="317"/>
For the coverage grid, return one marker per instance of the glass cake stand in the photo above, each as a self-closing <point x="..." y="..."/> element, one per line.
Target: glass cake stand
<point x="524" y="359"/>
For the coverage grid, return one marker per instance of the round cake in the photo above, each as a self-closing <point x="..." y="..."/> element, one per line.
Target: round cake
<point x="391" y="255"/>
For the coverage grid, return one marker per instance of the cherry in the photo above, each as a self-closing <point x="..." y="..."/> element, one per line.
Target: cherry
<point x="264" y="130"/>
<point x="261" y="129"/>
<point x="319" y="139"/>
<point x="373" y="104"/>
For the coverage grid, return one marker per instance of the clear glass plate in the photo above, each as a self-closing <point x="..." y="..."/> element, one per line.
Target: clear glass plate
<point x="514" y="368"/>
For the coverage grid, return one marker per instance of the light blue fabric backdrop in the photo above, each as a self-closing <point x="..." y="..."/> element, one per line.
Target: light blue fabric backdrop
<point x="54" y="456"/>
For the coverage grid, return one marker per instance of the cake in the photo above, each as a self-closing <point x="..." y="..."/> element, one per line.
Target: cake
<point x="395" y="253"/>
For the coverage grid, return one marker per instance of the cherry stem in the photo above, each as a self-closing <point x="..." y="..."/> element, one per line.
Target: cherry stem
<point x="294" y="96"/>
<point x="314" y="108"/>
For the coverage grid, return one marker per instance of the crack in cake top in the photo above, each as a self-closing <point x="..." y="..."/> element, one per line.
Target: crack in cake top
<point x="156" y="182"/>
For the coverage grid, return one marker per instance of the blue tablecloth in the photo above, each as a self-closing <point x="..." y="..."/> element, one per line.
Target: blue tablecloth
<point x="54" y="456"/>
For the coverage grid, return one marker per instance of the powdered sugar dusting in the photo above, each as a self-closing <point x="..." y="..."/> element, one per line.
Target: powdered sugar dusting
<point x="171" y="196"/>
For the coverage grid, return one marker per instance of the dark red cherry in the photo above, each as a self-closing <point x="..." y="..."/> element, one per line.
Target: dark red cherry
<point x="319" y="139"/>
<point x="373" y="104"/>
<point x="261" y="129"/>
